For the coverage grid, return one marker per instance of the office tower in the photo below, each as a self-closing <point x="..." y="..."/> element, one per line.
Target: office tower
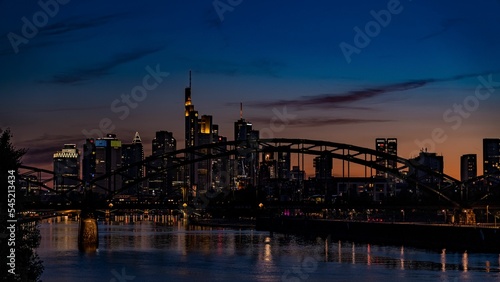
<point x="108" y="159"/>
<point x="380" y="146"/>
<point x="191" y="134"/>
<point x="247" y="159"/>
<point x="160" y="178"/>
<point x="284" y="164"/>
<point x="132" y="154"/>
<point x="431" y="161"/>
<point x="388" y="146"/>
<point x="88" y="162"/>
<point x="66" y="168"/>
<point x="242" y="128"/>
<point x="28" y="185"/>
<point x="221" y="175"/>
<point x="468" y="167"/>
<point x="392" y="149"/>
<point x="204" y="168"/>
<point x="276" y="165"/>
<point x="323" y="166"/>
<point x="491" y="156"/>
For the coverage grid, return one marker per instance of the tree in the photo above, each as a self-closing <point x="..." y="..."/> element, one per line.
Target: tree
<point x="28" y="266"/>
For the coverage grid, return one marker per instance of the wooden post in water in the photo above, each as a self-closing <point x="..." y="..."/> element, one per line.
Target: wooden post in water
<point x="88" y="233"/>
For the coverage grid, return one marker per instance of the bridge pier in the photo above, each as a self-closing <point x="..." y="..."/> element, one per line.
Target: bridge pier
<point x="88" y="234"/>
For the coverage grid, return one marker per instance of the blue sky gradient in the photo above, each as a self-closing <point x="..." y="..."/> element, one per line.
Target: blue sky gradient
<point x="269" y="56"/>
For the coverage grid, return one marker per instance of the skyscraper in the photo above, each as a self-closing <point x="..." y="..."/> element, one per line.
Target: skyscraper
<point x="381" y="146"/>
<point x="247" y="160"/>
<point x="191" y="134"/>
<point x="108" y="159"/>
<point x="431" y="161"/>
<point x="389" y="146"/>
<point x="323" y="166"/>
<point x="468" y="167"/>
<point x="131" y="154"/>
<point x="491" y="156"/>
<point x="66" y="168"/>
<point x="159" y="179"/>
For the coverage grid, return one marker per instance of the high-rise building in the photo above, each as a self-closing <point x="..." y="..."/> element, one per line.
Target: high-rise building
<point x="247" y="160"/>
<point x="430" y="161"/>
<point x="204" y="168"/>
<point x="200" y="131"/>
<point x="491" y="156"/>
<point x="323" y="166"/>
<point x="131" y="154"/>
<point x="468" y="167"/>
<point x="191" y="135"/>
<point x="108" y="159"/>
<point x="242" y="128"/>
<point x="89" y="161"/>
<point x="388" y="146"/>
<point x="66" y="168"/>
<point x="159" y="177"/>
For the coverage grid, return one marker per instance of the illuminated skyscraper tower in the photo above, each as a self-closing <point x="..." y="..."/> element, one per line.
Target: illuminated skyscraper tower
<point x="108" y="159"/>
<point x="468" y="167"/>
<point x="191" y="134"/>
<point x="131" y="154"/>
<point x="491" y="156"/>
<point x="389" y="146"/>
<point x="66" y="168"/>
<point x="247" y="159"/>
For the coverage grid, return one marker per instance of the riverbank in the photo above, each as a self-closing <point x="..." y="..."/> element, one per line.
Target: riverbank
<point x="471" y="238"/>
<point x="244" y="223"/>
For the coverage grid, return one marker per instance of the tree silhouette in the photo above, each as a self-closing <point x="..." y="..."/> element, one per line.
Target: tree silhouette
<point x="28" y="266"/>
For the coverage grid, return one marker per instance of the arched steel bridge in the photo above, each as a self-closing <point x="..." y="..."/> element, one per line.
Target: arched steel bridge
<point x="366" y="157"/>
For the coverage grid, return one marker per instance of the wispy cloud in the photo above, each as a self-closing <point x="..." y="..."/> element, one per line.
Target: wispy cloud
<point x="48" y="34"/>
<point x="87" y="73"/>
<point x="41" y="148"/>
<point x="69" y="109"/>
<point x="445" y="26"/>
<point x="344" y="99"/>
<point x="320" y="121"/>
<point x="71" y="25"/>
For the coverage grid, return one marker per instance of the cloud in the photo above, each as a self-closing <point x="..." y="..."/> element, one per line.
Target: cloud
<point x="340" y="100"/>
<point x="71" y="25"/>
<point x="320" y="121"/>
<point x="46" y="38"/>
<point x="41" y="148"/>
<point x="69" y="109"/>
<point x="87" y="73"/>
<point x="445" y="26"/>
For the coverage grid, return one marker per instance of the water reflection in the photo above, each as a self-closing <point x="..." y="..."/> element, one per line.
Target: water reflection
<point x="443" y="260"/>
<point x="402" y="258"/>
<point x="168" y="244"/>
<point x="465" y="261"/>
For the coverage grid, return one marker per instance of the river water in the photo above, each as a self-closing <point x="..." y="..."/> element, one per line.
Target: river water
<point x="162" y="249"/>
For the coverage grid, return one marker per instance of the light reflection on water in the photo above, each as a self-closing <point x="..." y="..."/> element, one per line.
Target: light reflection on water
<point x="164" y="249"/>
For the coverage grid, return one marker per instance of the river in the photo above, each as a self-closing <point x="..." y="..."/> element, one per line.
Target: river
<point x="161" y="249"/>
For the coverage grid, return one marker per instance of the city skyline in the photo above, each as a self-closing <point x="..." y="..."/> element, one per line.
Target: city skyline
<point x="412" y="82"/>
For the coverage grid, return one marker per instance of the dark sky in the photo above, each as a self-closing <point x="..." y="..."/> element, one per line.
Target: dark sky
<point x="344" y="71"/>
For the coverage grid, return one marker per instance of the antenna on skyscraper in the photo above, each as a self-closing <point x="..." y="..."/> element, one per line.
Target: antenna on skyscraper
<point x="241" y="110"/>
<point x="189" y="78"/>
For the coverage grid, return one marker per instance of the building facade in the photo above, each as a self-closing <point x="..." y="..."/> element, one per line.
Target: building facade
<point x="468" y="167"/>
<point x="66" y="168"/>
